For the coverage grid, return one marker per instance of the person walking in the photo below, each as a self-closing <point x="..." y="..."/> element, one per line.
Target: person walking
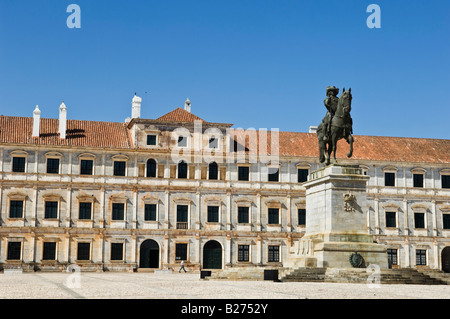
<point x="182" y="266"/>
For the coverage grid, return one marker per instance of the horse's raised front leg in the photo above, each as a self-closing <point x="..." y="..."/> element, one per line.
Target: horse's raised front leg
<point x="350" y="141"/>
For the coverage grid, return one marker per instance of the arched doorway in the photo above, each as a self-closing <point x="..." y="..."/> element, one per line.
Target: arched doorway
<point x="149" y="254"/>
<point x="446" y="259"/>
<point x="212" y="255"/>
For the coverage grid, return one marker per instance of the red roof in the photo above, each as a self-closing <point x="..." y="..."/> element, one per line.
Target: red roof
<point x="179" y="115"/>
<point x="18" y="130"/>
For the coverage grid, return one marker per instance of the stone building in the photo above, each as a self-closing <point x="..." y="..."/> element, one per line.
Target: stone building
<point x="149" y="193"/>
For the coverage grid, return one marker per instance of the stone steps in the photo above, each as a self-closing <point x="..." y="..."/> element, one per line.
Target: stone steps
<point x="360" y="275"/>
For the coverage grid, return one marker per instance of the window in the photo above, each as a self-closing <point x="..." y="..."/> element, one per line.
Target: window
<point x="182" y="169"/>
<point x="445" y="181"/>
<point x="118" y="210"/>
<point x="180" y="251"/>
<point x="302" y="175"/>
<point x="243" y="216"/>
<point x="391" y="220"/>
<point x="49" y="251"/>
<point x="274" y="253"/>
<point x="213" y="171"/>
<point x="16" y="209"/>
<point x="86" y="167"/>
<point x="389" y="179"/>
<point x="85" y="210"/>
<point x="182" y="141"/>
<point x="421" y="257"/>
<point x="273" y="216"/>
<point x="52" y="165"/>
<point x="302" y="216"/>
<point x="213" y="142"/>
<point x="119" y="168"/>
<point x="14" y="250"/>
<point x="84" y="251"/>
<point x="419" y="220"/>
<point x="243" y="252"/>
<point x="446" y="221"/>
<point x="213" y="214"/>
<point x="182" y="216"/>
<point x="151" y="139"/>
<point x="51" y="210"/>
<point x="392" y="256"/>
<point x="116" y="251"/>
<point x="151" y="168"/>
<point x="18" y="164"/>
<point x="417" y="180"/>
<point x="243" y="173"/>
<point x="150" y="212"/>
<point x="273" y="174"/>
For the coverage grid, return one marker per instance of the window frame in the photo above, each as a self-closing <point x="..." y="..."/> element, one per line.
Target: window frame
<point x="244" y="253"/>
<point x="45" y="252"/>
<point x="113" y="252"/>
<point x="49" y="211"/>
<point x="247" y="173"/>
<point x="273" y="255"/>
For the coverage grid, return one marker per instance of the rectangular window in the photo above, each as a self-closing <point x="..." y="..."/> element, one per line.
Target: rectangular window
<point x="52" y="165"/>
<point x="85" y="210"/>
<point x="181" y="252"/>
<point x="18" y="164"/>
<point x="49" y="251"/>
<point x="446" y="221"/>
<point x="116" y="251"/>
<point x="391" y="220"/>
<point x="389" y="179"/>
<point x="243" y="252"/>
<point x="419" y="220"/>
<point x="16" y="209"/>
<point x="84" y="251"/>
<point x="118" y="211"/>
<point x="421" y="257"/>
<point x="273" y="216"/>
<point x="51" y="210"/>
<point x="243" y="216"/>
<point x="213" y="214"/>
<point x="150" y="212"/>
<point x="151" y="139"/>
<point x="302" y="216"/>
<point x="243" y="173"/>
<point x="274" y="253"/>
<point x="182" y="216"/>
<point x="119" y="168"/>
<point x="86" y="167"/>
<point x="392" y="256"/>
<point x="14" y="249"/>
<point x="213" y="142"/>
<point x="274" y="174"/>
<point x="302" y="175"/>
<point x="417" y="180"/>
<point x="445" y="181"/>
<point x="182" y="141"/>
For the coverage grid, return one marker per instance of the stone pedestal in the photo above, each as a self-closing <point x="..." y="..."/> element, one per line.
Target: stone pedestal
<point x="336" y="222"/>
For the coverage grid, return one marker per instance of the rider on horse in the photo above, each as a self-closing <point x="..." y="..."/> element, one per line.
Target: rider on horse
<point x="331" y="103"/>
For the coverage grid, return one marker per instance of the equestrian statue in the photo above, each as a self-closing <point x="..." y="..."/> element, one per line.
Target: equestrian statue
<point x="336" y="125"/>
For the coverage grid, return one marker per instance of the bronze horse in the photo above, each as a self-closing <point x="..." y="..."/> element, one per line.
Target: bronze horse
<point x="341" y="127"/>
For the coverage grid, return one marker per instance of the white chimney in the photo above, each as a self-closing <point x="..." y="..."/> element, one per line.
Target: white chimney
<point x="36" y="121"/>
<point x="136" y="107"/>
<point x="313" y="129"/>
<point x="62" y="120"/>
<point x="187" y="105"/>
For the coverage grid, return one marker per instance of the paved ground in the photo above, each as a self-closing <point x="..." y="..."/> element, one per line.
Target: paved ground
<point x="190" y="286"/>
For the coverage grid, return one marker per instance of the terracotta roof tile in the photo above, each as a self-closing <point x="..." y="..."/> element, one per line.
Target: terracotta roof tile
<point x="372" y="148"/>
<point x="179" y="115"/>
<point x="79" y="133"/>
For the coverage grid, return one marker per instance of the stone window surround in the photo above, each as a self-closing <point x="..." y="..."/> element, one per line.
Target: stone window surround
<point x="19" y="153"/>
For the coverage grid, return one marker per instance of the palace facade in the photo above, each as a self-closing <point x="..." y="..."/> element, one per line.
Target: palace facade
<point x="149" y="193"/>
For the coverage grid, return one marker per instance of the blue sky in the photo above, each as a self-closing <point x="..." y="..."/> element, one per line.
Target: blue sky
<point x="259" y="64"/>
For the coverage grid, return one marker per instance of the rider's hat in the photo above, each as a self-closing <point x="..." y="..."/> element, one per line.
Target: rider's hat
<point x="333" y="89"/>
